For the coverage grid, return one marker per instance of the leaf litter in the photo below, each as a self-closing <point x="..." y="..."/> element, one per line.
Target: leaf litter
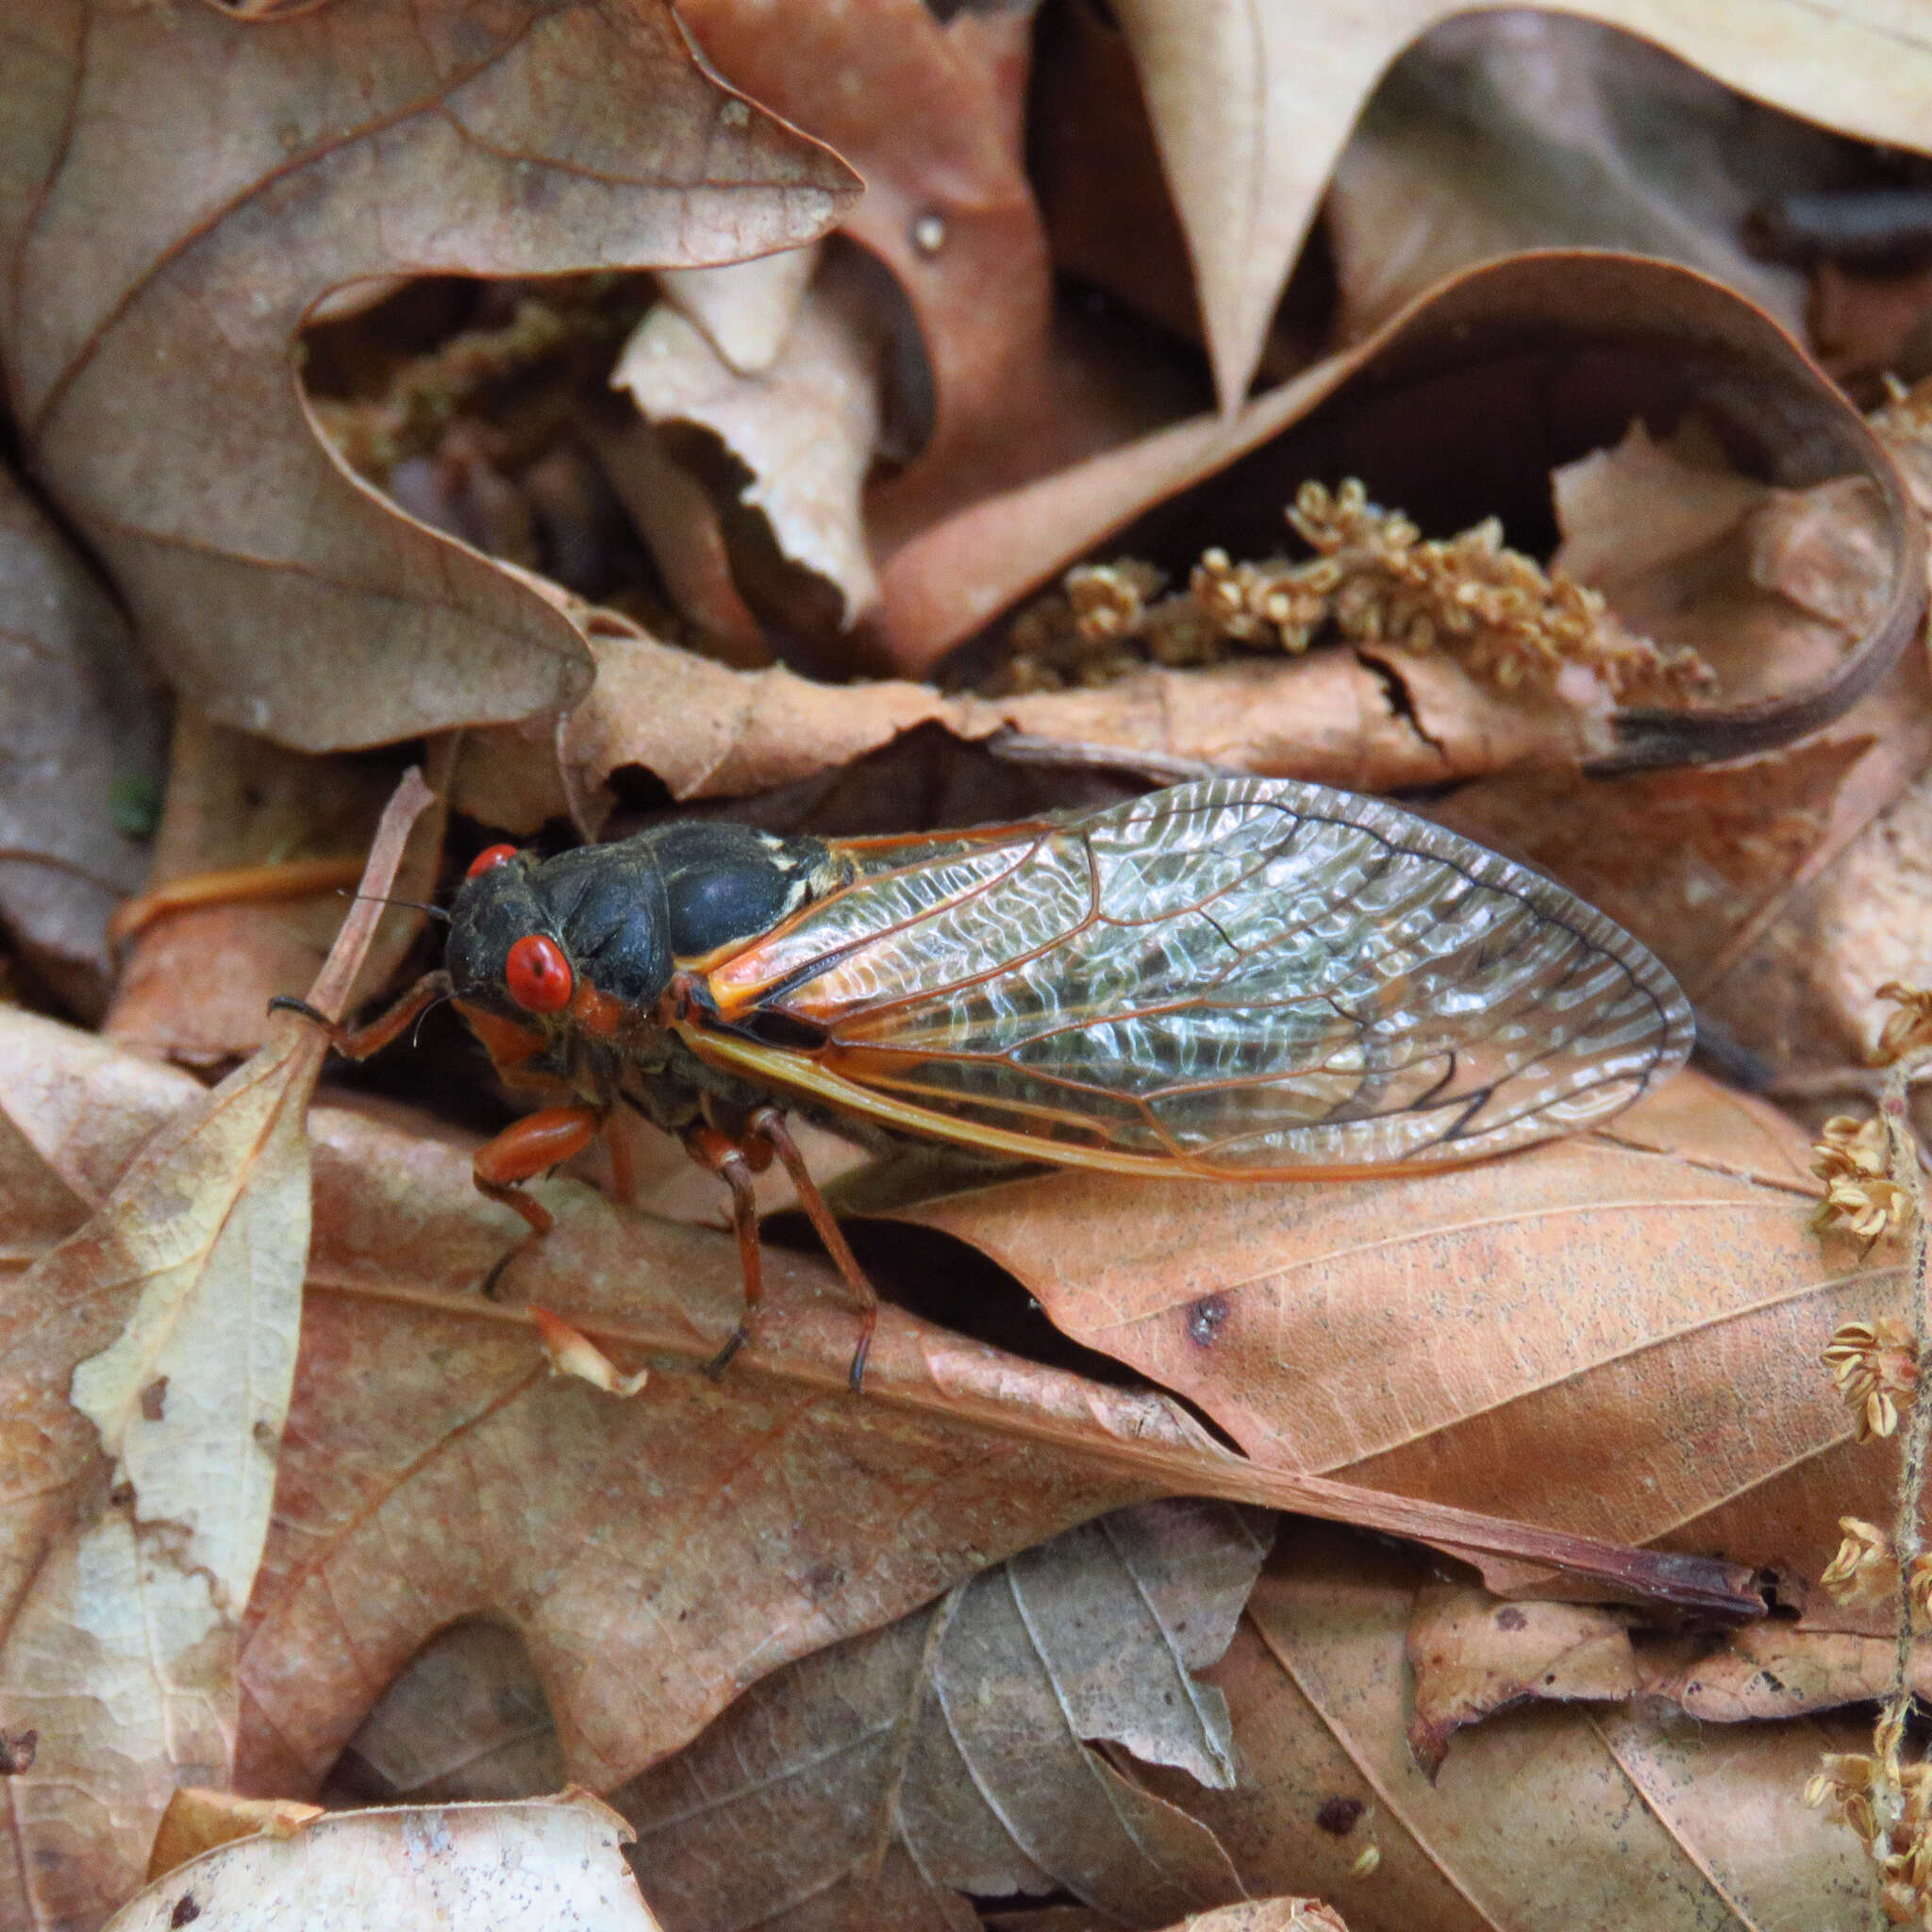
<point x="1584" y="546"/>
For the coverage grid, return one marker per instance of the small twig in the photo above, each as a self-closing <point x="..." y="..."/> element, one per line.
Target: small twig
<point x="1894" y="1110"/>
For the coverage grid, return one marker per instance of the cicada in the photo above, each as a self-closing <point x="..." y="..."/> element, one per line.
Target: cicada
<point x="1244" y="979"/>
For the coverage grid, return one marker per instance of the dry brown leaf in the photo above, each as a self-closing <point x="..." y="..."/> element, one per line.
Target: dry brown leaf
<point x="433" y="1469"/>
<point x="1368" y="720"/>
<point x="1473" y="1655"/>
<point x="1504" y="131"/>
<point x="148" y="1365"/>
<point x="1544" y="1816"/>
<point x="462" y="1868"/>
<point x="1267" y="1915"/>
<point x="197" y="1820"/>
<point x="197" y="982"/>
<point x="799" y="434"/>
<point x="877" y="1780"/>
<point x="1536" y="360"/>
<point x="464" y="1720"/>
<point x="83" y="761"/>
<point x="1251" y="118"/>
<point x="159" y="280"/>
<point x="1618" y="1333"/>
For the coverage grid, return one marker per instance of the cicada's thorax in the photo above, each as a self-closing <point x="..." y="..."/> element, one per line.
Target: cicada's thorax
<point x="611" y="926"/>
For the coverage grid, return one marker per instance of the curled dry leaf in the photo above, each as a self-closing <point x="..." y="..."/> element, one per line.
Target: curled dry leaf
<point x="1534" y="361"/>
<point x="469" y="1868"/>
<point x="147" y="1364"/>
<point x="1474" y="1655"/>
<point x="948" y="1753"/>
<point x="80" y="775"/>
<point x="1267" y="1915"/>
<point x="1500" y="132"/>
<point x="281" y="596"/>
<point x="1250" y="126"/>
<point x="800" y="433"/>
<point x="1007" y="389"/>
<point x="1676" y="1828"/>
<point x="195" y="984"/>
<point x="1618" y="1333"/>
<point x="708" y="731"/>
<point x="433" y="1469"/>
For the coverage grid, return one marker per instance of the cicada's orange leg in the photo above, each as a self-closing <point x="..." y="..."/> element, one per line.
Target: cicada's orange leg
<point x="524" y="1149"/>
<point x="768" y="1125"/>
<point x="734" y="1166"/>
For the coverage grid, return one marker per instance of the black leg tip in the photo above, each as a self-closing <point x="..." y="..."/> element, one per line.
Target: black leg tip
<point x="719" y="1362"/>
<point x="286" y="1002"/>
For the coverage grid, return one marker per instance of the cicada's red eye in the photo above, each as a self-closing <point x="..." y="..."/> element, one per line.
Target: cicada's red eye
<point x="538" y="975"/>
<point x="490" y="856"/>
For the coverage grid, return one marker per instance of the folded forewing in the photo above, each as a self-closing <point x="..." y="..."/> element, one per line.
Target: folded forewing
<point x="1244" y="977"/>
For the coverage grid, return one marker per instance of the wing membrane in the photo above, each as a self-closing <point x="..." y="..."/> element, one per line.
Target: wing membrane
<point x="1244" y="977"/>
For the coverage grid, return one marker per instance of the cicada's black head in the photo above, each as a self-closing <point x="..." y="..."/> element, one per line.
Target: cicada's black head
<point x="532" y="937"/>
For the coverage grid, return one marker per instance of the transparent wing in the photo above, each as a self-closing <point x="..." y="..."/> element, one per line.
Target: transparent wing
<point x="1242" y="978"/>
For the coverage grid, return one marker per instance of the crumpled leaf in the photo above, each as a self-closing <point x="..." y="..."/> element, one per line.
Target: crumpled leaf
<point x="1473" y="1655"/>
<point x="1010" y="389"/>
<point x="709" y="731"/>
<point x="1250" y="126"/>
<point x="880" y="1778"/>
<point x="1517" y="365"/>
<point x="433" y="1469"/>
<point x="1677" y="1828"/>
<point x="158" y="280"/>
<point x="1617" y="1332"/>
<point x="469" y="1868"/>
<point x="146" y="1368"/>
<point x="81" y="767"/>
<point x="196" y="980"/>
<point x="801" y="431"/>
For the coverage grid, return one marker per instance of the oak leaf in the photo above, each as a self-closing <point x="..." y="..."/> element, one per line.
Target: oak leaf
<point x="157" y="282"/>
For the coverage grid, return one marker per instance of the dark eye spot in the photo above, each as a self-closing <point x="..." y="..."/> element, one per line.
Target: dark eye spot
<point x="1206" y="1317"/>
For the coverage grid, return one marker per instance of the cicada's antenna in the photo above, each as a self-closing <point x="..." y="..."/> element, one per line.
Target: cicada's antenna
<point x="415" y="905"/>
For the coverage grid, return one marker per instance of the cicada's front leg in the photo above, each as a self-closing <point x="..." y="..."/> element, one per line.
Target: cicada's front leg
<point x="358" y="1042"/>
<point x="735" y="1162"/>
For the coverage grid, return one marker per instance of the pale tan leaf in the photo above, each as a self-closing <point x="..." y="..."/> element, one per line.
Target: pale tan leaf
<point x="181" y="189"/>
<point x="83" y="759"/>
<point x="946" y="1751"/>
<point x="468" y="1868"/>
<point x="803" y="430"/>
<point x="148" y="1363"/>
<point x="1251" y="110"/>
<point x="745" y="308"/>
